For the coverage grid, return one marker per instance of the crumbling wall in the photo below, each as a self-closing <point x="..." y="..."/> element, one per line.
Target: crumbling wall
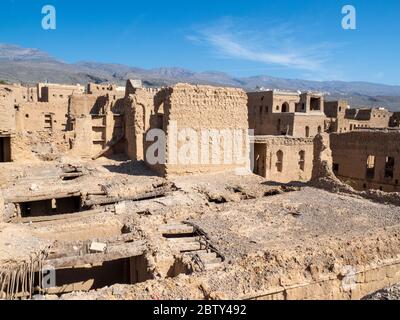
<point x="138" y="107"/>
<point x="38" y="116"/>
<point x="324" y="177"/>
<point x="350" y="152"/>
<point x="52" y="121"/>
<point x="19" y="93"/>
<point x="322" y="163"/>
<point x="104" y="115"/>
<point x="7" y="114"/>
<point x="81" y="144"/>
<point x="39" y="146"/>
<point x="295" y="162"/>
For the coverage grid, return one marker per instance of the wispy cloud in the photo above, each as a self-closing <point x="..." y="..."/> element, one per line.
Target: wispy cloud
<point x="277" y="46"/>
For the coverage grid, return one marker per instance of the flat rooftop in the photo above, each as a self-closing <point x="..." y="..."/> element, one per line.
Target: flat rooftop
<point x="268" y="236"/>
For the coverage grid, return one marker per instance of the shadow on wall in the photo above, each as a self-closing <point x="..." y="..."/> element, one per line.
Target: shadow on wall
<point x="134" y="168"/>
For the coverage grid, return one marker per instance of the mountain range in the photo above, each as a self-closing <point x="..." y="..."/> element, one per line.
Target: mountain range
<point x="26" y="65"/>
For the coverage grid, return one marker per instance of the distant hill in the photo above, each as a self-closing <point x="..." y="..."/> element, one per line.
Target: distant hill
<point x="27" y="65"/>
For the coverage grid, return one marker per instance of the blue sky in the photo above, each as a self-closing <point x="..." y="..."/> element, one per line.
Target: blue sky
<point x="293" y="39"/>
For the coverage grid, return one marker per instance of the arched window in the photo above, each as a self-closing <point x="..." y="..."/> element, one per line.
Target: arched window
<point x="319" y="129"/>
<point x="307" y="131"/>
<point x="279" y="161"/>
<point x="302" y="159"/>
<point x="285" y="107"/>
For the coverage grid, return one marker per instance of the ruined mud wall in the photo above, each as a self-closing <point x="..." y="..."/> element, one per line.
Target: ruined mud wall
<point x="19" y="93"/>
<point x="57" y="93"/>
<point x="324" y="177"/>
<point x="138" y="108"/>
<point x="97" y="122"/>
<point x="39" y="145"/>
<point x="296" y="163"/>
<point x="81" y="143"/>
<point x="351" y="150"/>
<point x="41" y="128"/>
<point x="7" y="114"/>
<point x="190" y="112"/>
<point x="38" y="116"/>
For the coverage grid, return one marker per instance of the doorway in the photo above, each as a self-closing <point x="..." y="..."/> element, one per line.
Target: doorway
<point x="5" y="149"/>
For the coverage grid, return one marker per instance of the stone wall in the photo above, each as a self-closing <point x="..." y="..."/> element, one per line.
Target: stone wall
<point x="19" y="93"/>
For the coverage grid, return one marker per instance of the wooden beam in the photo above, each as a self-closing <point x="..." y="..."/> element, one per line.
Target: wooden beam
<point x="138" y="197"/>
<point x="174" y="229"/>
<point x="66" y="216"/>
<point x="113" y="253"/>
<point x="42" y="196"/>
